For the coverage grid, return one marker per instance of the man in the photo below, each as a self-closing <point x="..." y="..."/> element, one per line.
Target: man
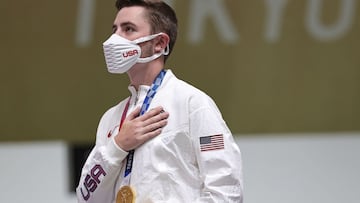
<point x="167" y="142"/>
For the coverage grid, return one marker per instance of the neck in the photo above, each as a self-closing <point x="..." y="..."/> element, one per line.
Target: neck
<point x="144" y="74"/>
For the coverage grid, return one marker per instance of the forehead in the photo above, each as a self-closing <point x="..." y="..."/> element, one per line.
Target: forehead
<point x="135" y="15"/>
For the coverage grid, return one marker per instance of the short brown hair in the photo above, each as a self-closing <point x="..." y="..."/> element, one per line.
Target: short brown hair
<point x="162" y="17"/>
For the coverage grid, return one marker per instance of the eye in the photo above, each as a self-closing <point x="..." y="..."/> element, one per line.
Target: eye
<point x="129" y="29"/>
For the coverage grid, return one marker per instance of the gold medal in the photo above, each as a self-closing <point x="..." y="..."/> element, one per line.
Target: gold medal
<point x="125" y="195"/>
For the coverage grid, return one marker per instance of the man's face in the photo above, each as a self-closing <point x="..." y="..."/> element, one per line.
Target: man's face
<point x="132" y="23"/>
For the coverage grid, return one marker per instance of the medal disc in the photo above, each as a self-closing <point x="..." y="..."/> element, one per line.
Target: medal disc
<point x="125" y="195"/>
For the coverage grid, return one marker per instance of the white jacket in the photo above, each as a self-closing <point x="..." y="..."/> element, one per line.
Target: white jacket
<point x="171" y="167"/>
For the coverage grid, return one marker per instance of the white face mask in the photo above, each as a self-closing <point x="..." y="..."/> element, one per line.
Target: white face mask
<point x="121" y="54"/>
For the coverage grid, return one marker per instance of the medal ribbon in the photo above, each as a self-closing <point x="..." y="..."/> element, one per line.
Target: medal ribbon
<point x="149" y="96"/>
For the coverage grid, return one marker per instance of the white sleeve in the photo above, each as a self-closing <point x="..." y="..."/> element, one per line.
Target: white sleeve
<point x="102" y="167"/>
<point x="99" y="174"/>
<point x="220" y="164"/>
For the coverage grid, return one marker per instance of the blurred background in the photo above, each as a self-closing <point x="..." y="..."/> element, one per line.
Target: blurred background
<point x="284" y="73"/>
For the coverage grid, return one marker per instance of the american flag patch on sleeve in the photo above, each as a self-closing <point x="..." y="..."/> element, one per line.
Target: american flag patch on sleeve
<point x="212" y="142"/>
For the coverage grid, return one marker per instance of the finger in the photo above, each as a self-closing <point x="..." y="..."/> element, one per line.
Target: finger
<point x="156" y="118"/>
<point x="151" y="134"/>
<point x="155" y="126"/>
<point x="151" y="113"/>
<point x="134" y="114"/>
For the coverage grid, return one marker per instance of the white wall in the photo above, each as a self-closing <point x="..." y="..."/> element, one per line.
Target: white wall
<point x="302" y="169"/>
<point x="34" y="173"/>
<point x="278" y="169"/>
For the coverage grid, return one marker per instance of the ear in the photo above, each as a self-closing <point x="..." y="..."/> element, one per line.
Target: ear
<point x="161" y="42"/>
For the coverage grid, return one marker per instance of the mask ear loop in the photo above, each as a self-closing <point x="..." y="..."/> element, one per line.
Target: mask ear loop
<point x="155" y="56"/>
<point x="146" y="38"/>
<point x="166" y="50"/>
<point x="150" y="37"/>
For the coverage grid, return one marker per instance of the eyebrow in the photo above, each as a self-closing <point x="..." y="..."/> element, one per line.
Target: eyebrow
<point x="124" y="24"/>
<point x="127" y="23"/>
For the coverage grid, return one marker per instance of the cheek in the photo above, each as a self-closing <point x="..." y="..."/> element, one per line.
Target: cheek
<point x="147" y="49"/>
